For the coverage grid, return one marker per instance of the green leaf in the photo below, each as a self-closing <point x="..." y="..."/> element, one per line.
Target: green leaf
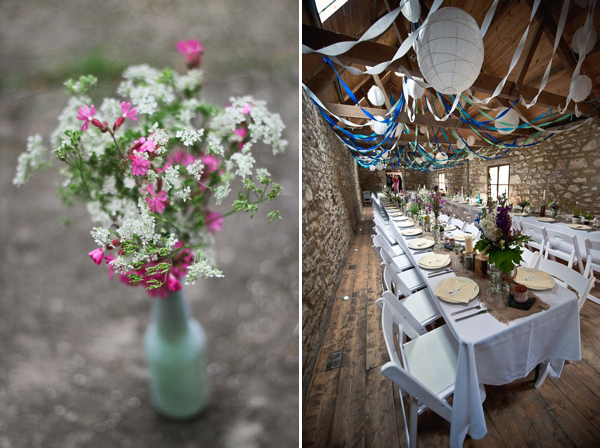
<point x="505" y="260"/>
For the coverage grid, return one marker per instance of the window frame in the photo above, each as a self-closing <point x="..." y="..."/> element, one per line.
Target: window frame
<point x="442" y="181"/>
<point x="498" y="184"/>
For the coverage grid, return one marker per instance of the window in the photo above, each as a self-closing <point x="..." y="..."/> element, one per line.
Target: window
<point x="498" y="179"/>
<point x="326" y="8"/>
<point x="442" y="181"/>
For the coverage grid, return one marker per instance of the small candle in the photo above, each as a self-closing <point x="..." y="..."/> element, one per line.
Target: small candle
<point x="469" y="243"/>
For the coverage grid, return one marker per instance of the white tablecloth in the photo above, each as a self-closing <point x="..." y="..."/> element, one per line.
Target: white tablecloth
<point x="491" y="352"/>
<point x="564" y="228"/>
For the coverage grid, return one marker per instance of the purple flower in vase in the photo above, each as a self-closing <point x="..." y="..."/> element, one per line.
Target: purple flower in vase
<point x="503" y="220"/>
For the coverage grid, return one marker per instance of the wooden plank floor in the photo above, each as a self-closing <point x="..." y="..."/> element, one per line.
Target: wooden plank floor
<point x="356" y="406"/>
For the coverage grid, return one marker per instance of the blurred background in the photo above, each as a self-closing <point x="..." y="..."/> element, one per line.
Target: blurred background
<point x="72" y="366"/>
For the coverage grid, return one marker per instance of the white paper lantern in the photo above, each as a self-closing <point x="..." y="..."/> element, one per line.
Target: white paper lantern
<point x="450" y="50"/>
<point x="584" y="39"/>
<point x="411" y="10"/>
<point x="423" y="129"/>
<point x="413" y="89"/>
<point x="470" y="140"/>
<point x="379" y="166"/>
<point x="471" y="156"/>
<point x="580" y="88"/>
<point x="376" y="96"/>
<point x="372" y="168"/>
<point x="441" y="158"/>
<point x="508" y="122"/>
<point x="460" y="144"/>
<point x="377" y="126"/>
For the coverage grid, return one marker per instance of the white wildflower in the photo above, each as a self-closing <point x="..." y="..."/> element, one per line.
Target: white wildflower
<point x="110" y="110"/>
<point x="67" y="120"/>
<point x="21" y="173"/>
<point x="129" y="182"/>
<point x="184" y="193"/>
<point x="121" y="264"/>
<point x="34" y="157"/>
<point x="199" y="269"/>
<point x="195" y="169"/>
<point x="221" y="192"/>
<point x="140" y="72"/>
<point x="171" y="178"/>
<point x="190" y="81"/>
<point x="171" y="241"/>
<point x="101" y="235"/>
<point x="189" y="136"/>
<point x="262" y="175"/>
<point x="97" y="214"/>
<point x="245" y="162"/>
<point x="215" y="146"/>
<point x="108" y="187"/>
<point x="142" y="227"/>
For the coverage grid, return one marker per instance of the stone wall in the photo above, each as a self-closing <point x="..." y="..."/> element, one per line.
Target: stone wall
<point x="331" y="209"/>
<point x="566" y="165"/>
<point x="371" y="180"/>
<point x="413" y="179"/>
<point x="455" y="178"/>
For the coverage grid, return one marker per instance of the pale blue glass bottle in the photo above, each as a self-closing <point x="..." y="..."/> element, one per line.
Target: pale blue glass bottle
<point x="175" y="345"/>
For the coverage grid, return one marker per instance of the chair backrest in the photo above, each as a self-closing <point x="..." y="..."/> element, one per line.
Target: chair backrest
<point x="530" y="258"/>
<point x="592" y="251"/>
<point x="413" y="328"/>
<point x="379" y="240"/>
<point x="569" y="277"/>
<point x="397" y="370"/>
<point x="516" y="225"/>
<point x="472" y="229"/>
<point x="380" y="230"/>
<point x="562" y="242"/>
<point x="536" y="233"/>
<point x="443" y="218"/>
<point x="458" y="223"/>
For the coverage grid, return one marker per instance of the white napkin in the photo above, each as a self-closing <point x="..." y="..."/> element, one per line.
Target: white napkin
<point x="411" y="232"/>
<point x="419" y="243"/>
<point x="580" y="227"/>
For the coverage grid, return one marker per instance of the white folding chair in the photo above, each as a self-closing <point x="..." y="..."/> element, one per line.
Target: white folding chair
<point x="410" y="277"/>
<point x="563" y="246"/>
<point x="366" y="197"/>
<point x="458" y="223"/>
<point x="385" y="233"/>
<point x="530" y="258"/>
<point x="398" y="264"/>
<point x="568" y="277"/>
<point x="473" y="230"/>
<point x="394" y="250"/>
<point x="424" y="367"/>
<point x="419" y="305"/>
<point x="538" y="236"/>
<point x="443" y="218"/>
<point x="592" y="249"/>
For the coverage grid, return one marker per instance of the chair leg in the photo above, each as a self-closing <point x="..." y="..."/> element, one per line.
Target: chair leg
<point x="414" y="415"/>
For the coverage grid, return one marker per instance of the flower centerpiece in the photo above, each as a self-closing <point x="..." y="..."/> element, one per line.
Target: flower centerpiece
<point x="151" y="167"/>
<point x="500" y="242"/>
<point x="555" y="206"/>
<point x="522" y="204"/>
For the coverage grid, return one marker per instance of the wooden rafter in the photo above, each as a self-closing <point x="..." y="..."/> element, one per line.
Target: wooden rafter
<point x="528" y="56"/>
<point x="370" y="53"/>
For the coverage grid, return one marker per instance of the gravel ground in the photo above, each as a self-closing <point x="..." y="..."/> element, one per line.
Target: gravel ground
<point x="72" y="366"/>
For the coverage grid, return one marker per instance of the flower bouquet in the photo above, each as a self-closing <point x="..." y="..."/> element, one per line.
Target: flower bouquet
<point x="555" y="206"/>
<point x="522" y="204"/>
<point x="500" y="242"/>
<point x="150" y="167"/>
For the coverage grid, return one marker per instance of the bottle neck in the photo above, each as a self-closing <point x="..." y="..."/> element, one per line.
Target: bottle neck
<point x="171" y="315"/>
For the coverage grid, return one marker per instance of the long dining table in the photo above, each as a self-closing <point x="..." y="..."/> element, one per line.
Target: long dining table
<point x="495" y="353"/>
<point x="563" y="227"/>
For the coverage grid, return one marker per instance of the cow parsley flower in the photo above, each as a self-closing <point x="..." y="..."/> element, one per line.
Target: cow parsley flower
<point x="171" y="178"/>
<point x="221" y="192"/>
<point x="189" y="136"/>
<point x="245" y="162"/>
<point x="201" y="268"/>
<point x="34" y="157"/>
<point x="195" y="169"/>
<point x="184" y="193"/>
<point x="215" y="146"/>
<point x="190" y="81"/>
<point x="101" y="235"/>
<point x="262" y="175"/>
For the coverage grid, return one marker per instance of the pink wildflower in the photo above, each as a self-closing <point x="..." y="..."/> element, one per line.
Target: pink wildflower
<point x="193" y="49"/>
<point x="148" y="145"/>
<point x="180" y="156"/>
<point x="140" y="166"/>
<point x="214" y="221"/>
<point x="241" y="133"/>
<point x="210" y="162"/>
<point x="156" y="202"/>
<point x="246" y="109"/>
<point x="128" y="111"/>
<point x="111" y="271"/>
<point x="86" y="114"/>
<point x="173" y="283"/>
<point x="97" y="255"/>
<point x="165" y="167"/>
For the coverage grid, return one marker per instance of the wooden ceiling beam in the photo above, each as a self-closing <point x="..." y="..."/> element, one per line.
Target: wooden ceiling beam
<point x="528" y="57"/>
<point x="370" y="53"/>
<point x="324" y="77"/>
